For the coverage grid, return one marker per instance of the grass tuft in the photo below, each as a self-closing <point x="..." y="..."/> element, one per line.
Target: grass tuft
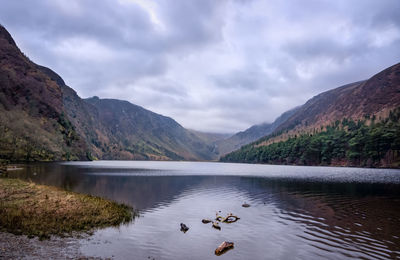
<point x="38" y="210"/>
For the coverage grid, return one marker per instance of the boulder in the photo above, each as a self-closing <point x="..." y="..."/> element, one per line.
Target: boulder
<point x="224" y="247"/>
<point x="216" y="226"/>
<point x="184" y="228"/>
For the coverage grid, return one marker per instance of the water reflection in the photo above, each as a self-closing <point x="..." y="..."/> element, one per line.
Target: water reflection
<point x="289" y="218"/>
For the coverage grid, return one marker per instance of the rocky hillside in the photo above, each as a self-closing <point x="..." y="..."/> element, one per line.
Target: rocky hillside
<point x="359" y="120"/>
<point x="33" y="120"/>
<point x="41" y="118"/>
<point x="376" y="96"/>
<point x="142" y="134"/>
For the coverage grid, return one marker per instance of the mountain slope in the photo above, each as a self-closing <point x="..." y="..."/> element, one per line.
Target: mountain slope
<point x="359" y="120"/>
<point x="33" y="120"/>
<point x="251" y="134"/>
<point x="41" y="118"/>
<point x="147" y="134"/>
<point x="376" y="96"/>
<point x="210" y="137"/>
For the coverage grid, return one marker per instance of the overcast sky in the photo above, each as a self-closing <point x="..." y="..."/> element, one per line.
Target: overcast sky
<point x="212" y="65"/>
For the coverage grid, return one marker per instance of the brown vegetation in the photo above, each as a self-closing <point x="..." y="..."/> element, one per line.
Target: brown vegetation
<point x="42" y="119"/>
<point x="374" y="97"/>
<point x="37" y="210"/>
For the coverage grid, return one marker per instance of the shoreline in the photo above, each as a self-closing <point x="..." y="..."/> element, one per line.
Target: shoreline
<point x="21" y="247"/>
<point x="40" y="211"/>
<point x="14" y="164"/>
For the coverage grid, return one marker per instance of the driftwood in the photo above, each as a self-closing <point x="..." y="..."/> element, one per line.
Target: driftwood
<point x="223" y="247"/>
<point x="184" y="228"/>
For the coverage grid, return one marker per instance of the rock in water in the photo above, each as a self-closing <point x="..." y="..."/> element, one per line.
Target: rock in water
<point x="245" y="205"/>
<point x="205" y="221"/>
<point x="184" y="228"/>
<point x="216" y="226"/>
<point x="223" y="247"/>
<point x="230" y="218"/>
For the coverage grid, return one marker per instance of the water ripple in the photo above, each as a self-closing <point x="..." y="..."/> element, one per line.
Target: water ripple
<point x="295" y="212"/>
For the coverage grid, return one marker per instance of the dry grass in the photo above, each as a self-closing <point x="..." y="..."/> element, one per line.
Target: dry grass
<point x="37" y="210"/>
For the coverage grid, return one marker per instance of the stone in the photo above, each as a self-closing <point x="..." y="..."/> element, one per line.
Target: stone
<point x="224" y="247"/>
<point x="184" y="228"/>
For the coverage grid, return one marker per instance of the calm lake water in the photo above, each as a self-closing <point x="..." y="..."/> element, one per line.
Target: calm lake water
<point x="295" y="212"/>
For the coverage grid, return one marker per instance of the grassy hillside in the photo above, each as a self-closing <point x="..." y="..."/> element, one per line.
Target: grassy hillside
<point x="356" y="124"/>
<point x="347" y="143"/>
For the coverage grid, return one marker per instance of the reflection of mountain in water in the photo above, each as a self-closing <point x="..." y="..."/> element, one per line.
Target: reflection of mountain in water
<point x="343" y="215"/>
<point x="141" y="192"/>
<point x="339" y="212"/>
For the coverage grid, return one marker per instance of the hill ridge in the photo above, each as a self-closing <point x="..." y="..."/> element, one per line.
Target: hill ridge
<point x="44" y="119"/>
<point x="370" y="105"/>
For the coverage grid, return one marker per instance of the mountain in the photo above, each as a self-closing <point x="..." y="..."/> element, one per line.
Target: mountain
<point x="210" y="138"/>
<point x="356" y="124"/>
<point x="116" y="129"/>
<point x="251" y="134"/>
<point x="148" y="135"/>
<point x="376" y="96"/>
<point x="43" y="119"/>
<point x="33" y="122"/>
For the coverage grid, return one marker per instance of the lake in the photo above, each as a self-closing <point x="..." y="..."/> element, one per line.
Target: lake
<point x="295" y="212"/>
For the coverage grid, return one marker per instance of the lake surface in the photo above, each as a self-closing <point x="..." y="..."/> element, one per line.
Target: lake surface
<point x="295" y="212"/>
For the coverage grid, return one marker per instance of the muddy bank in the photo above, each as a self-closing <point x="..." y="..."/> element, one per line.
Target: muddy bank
<point x="21" y="247"/>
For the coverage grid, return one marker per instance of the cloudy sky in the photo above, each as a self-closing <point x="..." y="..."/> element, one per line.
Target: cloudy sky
<point x="212" y="65"/>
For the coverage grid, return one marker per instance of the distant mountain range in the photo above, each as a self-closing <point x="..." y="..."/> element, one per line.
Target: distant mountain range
<point x="43" y="119"/>
<point x="356" y="124"/>
<point x="251" y="134"/>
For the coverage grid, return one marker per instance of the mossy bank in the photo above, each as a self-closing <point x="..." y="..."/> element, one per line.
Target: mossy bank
<point x="37" y="210"/>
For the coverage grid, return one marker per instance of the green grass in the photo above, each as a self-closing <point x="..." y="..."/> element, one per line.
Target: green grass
<point x="37" y="210"/>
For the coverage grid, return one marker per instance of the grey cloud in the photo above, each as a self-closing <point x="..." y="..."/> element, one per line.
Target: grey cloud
<point x="193" y="22"/>
<point x="211" y="65"/>
<point x="270" y="80"/>
<point x="239" y="80"/>
<point x="308" y="49"/>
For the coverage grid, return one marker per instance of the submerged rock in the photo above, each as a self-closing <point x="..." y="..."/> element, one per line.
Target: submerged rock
<point x="216" y="226"/>
<point x="224" y="247"/>
<point x="219" y="218"/>
<point x="184" y="228"/>
<point x="205" y="221"/>
<point x="230" y="218"/>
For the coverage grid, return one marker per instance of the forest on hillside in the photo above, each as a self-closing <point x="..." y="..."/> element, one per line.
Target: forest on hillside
<point x="367" y="142"/>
